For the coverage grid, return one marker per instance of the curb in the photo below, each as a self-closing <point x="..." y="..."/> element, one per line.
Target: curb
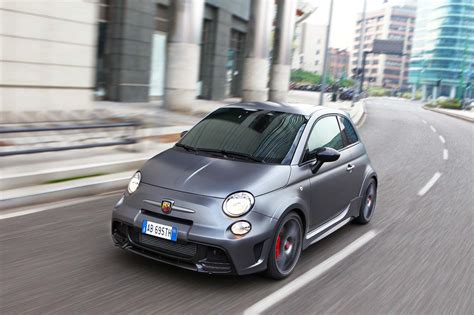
<point x="465" y="118"/>
<point x="17" y="198"/>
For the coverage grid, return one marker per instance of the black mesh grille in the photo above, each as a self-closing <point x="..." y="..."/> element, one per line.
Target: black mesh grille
<point x="185" y="250"/>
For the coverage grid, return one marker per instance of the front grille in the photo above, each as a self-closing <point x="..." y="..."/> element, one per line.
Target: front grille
<point x="185" y="250"/>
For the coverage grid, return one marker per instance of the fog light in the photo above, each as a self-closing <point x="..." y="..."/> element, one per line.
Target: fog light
<point x="240" y="228"/>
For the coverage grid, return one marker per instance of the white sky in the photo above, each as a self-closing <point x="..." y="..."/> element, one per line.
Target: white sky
<point x="344" y="17"/>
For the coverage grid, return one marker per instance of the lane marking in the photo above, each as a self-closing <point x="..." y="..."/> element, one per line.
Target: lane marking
<point x="429" y="184"/>
<point x="441" y="138"/>
<point x="55" y="205"/>
<point x="309" y="276"/>
<point x="433" y="129"/>
<point x="445" y="154"/>
<point x="424" y="121"/>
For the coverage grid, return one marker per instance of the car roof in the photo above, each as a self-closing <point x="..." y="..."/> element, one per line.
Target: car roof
<point x="293" y="108"/>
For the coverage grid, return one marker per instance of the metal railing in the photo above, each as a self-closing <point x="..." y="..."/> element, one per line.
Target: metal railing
<point x="127" y="139"/>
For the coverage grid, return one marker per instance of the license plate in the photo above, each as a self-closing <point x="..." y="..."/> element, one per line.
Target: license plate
<point x="159" y="230"/>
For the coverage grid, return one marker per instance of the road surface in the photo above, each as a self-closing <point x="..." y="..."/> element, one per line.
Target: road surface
<point x="419" y="260"/>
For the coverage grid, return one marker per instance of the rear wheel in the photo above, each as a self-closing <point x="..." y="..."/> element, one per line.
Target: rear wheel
<point x="368" y="203"/>
<point x="286" y="249"/>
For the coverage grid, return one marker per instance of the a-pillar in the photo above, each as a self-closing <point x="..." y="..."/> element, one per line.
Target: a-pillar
<point x="281" y="62"/>
<point x="256" y="63"/>
<point x="183" y="54"/>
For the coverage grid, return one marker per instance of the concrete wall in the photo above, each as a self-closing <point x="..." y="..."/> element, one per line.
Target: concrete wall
<point x="47" y="56"/>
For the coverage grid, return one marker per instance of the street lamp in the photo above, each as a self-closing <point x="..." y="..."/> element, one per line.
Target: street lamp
<point x="326" y="52"/>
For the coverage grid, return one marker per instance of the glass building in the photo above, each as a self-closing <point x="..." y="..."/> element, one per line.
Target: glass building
<point x="442" y="61"/>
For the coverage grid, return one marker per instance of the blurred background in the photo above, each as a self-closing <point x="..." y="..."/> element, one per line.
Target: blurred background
<point x="92" y="89"/>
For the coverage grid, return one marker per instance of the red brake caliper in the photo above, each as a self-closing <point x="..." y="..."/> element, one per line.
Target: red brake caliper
<point x="277" y="247"/>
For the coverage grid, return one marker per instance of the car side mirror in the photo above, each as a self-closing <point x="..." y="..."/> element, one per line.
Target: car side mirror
<point x="324" y="155"/>
<point x="183" y="133"/>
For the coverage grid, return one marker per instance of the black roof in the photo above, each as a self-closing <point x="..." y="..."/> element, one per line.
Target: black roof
<point x="298" y="108"/>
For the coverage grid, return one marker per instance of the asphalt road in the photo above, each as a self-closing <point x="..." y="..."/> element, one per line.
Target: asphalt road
<point x="420" y="261"/>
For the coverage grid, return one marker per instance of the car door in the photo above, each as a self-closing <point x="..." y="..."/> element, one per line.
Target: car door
<point x="359" y="156"/>
<point x="329" y="192"/>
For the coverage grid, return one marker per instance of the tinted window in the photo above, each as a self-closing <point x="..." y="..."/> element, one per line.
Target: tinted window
<point x="268" y="136"/>
<point x="326" y="133"/>
<point x="348" y="130"/>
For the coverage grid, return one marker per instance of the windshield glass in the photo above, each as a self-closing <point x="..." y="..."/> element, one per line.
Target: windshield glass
<point x="257" y="135"/>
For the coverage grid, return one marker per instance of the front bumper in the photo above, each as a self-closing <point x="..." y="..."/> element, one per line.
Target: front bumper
<point x="204" y="244"/>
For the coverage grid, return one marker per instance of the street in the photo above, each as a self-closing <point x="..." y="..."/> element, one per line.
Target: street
<point x="420" y="261"/>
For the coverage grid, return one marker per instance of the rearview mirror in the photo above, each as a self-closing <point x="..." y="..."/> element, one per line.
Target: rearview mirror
<point x="183" y="133"/>
<point x="324" y="155"/>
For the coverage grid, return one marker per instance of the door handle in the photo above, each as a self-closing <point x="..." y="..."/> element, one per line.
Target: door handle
<point x="350" y="167"/>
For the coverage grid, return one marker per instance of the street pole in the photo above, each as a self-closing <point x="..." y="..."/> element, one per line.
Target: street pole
<point x="326" y="52"/>
<point x="361" y="45"/>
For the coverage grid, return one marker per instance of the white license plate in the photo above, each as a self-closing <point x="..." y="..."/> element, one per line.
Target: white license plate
<point x="159" y="230"/>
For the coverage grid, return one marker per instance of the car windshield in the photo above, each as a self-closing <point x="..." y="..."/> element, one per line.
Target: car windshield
<point x="252" y="134"/>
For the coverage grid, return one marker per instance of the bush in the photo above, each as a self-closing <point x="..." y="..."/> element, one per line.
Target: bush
<point x="450" y="103"/>
<point x="302" y="76"/>
<point x="378" y="91"/>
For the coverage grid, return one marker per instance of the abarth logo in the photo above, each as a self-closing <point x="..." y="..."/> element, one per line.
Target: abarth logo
<point x="167" y="206"/>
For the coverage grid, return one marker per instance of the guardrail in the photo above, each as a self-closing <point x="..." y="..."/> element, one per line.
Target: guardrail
<point x="127" y="139"/>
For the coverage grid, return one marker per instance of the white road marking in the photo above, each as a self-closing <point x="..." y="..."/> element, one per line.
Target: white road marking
<point x="445" y="154"/>
<point x="429" y="184"/>
<point x="433" y="129"/>
<point x="309" y="276"/>
<point x="13" y="214"/>
<point x="441" y="138"/>
<point x="424" y="121"/>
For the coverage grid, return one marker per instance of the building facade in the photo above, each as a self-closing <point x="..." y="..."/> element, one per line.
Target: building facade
<point x="338" y="63"/>
<point x="391" y="22"/>
<point x="48" y="55"/>
<point x="443" y="52"/>
<point x="308" y="52"/>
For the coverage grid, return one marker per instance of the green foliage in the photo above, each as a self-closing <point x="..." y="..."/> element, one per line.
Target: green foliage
<point x="450" y="103"/>
<point x="378" y="91"/>
<point x="302" y="76"/>
<point x="346" y="83"/>
<point x="408" y="95"/>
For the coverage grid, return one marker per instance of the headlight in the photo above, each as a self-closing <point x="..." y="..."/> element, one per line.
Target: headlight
<point x="134" y="182"/>
<point x="238" y="204"/>
<point x="240" y="228"/>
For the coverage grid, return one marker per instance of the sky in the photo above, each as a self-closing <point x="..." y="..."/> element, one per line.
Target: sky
<point x="344" y="17"/>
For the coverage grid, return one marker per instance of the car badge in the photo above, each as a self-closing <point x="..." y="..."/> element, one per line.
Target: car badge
<point x="166" y="206"/>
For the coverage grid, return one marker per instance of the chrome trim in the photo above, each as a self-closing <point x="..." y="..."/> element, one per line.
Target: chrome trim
<point x="174" y="208"/>
<point x="181" y="209"/>
<point x="332" y="230"/>
<point x="327" y="224"/>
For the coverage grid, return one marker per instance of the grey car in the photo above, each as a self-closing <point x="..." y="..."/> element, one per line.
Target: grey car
<point x="247" y="189"/>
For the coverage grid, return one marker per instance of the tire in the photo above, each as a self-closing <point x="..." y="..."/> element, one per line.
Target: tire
<point x="286" y="247"/>
<point x="367" y="206"/>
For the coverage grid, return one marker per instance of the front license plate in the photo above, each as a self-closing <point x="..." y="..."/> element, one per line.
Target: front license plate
<point x="159" y="230"/>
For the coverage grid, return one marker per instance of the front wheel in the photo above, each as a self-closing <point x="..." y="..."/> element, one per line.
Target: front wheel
<point x="286" y="249"/>
<point x="368" y="203"/>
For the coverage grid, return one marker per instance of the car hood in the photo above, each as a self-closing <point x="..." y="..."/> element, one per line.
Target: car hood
<point x="211" y="176"/>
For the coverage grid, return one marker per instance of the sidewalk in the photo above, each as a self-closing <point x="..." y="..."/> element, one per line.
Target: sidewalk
<point x="46" y="177"/>
<point x="467" y="115"/>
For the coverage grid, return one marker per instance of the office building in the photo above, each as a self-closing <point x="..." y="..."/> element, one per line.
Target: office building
<point x="391" y="22"/>
<point x="443" y="51"/>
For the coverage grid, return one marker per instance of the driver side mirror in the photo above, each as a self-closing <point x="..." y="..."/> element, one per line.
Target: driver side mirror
<point x="324" y="155"/>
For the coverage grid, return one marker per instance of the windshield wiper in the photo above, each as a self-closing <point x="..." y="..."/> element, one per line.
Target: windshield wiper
<point x="233" y="154"/>
<point x="223" y="153"/>
<point x="243" y="156"/>
<point x="186" y="147"/>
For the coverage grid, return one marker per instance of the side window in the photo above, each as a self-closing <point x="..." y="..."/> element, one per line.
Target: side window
<point x="348" y="131"/>
<point x="325" y="133"/>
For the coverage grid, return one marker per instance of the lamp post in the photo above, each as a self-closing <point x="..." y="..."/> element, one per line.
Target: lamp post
<point x="326" y="52"/>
